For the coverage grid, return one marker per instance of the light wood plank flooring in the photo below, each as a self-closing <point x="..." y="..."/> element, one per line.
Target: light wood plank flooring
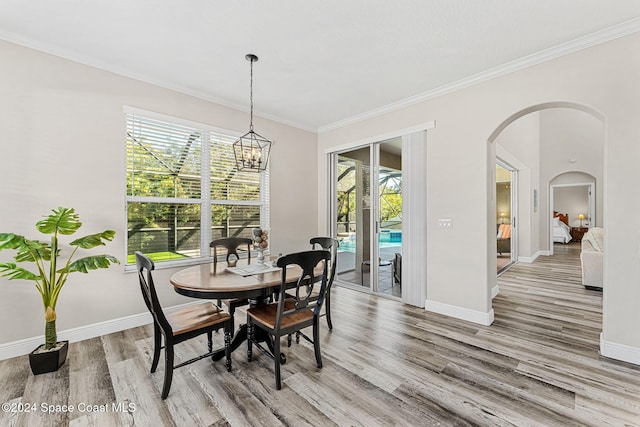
<point x="384" y="364"/>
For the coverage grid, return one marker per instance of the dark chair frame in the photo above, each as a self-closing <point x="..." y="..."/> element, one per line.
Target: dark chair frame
<point x="330" y="244"/>
<point x="231" y="244"/>
<point x="162" y="327"/>
<point x="397" y="269"/>
<point x="291" y="314"/>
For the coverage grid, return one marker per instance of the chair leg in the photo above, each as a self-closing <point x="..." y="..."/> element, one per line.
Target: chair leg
<point x="210" y="341"/>
<point x="227" y="348"/>
<point x="316" y="342"/>
<point x="250" y="338"/>
<point x="168" y="369"/>
<point x="276" y="359"/>
<point x="327" y="309"/>
<point x="157" y="345"/>
<point x="232" y="313"/>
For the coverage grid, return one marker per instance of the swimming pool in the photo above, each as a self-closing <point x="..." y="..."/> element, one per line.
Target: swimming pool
<point x="387" y="239"/>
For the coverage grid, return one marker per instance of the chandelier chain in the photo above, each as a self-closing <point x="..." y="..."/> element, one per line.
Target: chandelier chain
<point x="251" y="150"/>
<point x="251" y="97"/>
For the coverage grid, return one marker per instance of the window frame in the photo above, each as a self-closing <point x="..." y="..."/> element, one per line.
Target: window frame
<point x="206" y="202"/>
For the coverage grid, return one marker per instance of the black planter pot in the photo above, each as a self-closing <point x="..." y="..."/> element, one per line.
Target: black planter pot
<point x="48" y="361"/>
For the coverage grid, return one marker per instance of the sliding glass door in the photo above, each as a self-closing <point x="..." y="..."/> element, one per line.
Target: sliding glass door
<point x="389" y="217"/>
<point x="506" y="216"/>
<point x="368" y="218"/>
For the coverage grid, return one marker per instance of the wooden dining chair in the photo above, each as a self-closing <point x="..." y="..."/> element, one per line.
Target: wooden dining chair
<point x="291" y="314"/>
<point x="231" y="244"/>
<point x="180" y="325"/>
<point x="330" y="244"/>
<point x="397" y="269"/>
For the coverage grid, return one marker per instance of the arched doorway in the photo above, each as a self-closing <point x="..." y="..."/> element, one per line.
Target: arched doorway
<point x="575" y="197"/>
<point x="544" y="141"/>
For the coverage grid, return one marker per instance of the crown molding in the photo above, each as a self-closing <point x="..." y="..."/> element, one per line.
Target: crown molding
<point x="567" y="48"/>
<point x="558" y="51"/>
<point x="88" y="61"/>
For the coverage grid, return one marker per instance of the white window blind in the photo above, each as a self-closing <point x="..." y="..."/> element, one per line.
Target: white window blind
<point x="184" y="190"/>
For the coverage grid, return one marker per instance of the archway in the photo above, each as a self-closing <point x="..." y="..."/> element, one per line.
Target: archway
<point x="573" y="195"/>
<point x="535" y="180"/>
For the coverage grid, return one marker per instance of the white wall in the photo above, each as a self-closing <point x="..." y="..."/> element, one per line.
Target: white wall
<point x="573" y="201"/>
<point x="603" y="78"/>
<point x="63" y="144"/>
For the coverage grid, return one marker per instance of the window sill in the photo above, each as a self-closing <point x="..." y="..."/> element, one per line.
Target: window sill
<point x="131" y="268"/>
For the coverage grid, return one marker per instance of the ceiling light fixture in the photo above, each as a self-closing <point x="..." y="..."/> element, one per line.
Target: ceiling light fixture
<point x="251" y="149"/>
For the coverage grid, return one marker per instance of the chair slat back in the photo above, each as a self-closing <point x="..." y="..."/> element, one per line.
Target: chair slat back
<point x="397" y="268"/>
<point x="305" y="283"/>
<point x="145" y="266"/>
<point x="330" y="244"/>
<point x="231" y="244"/>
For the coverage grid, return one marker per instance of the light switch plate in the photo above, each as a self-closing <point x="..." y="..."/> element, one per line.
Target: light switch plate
<point x="445" y="223"/>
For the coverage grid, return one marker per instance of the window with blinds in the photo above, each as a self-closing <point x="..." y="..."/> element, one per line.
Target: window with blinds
<point x="184" y="190"/>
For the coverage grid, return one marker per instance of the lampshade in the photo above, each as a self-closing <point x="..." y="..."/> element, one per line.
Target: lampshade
<point x="581" y="216"/>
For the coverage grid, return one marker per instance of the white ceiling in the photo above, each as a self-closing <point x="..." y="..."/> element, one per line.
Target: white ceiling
<point x="321" y="62"/>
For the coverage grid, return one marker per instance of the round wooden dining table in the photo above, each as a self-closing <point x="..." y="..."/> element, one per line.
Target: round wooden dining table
<point x="214" y="281"/>
<point x="211" y="281"/>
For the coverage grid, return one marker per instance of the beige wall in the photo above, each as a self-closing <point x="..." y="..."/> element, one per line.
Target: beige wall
<point x="63" y="145"/>
<point x="603" y="78"/>
<point x="573" y="201"/>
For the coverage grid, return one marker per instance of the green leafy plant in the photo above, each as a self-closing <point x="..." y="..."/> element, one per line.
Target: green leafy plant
<point x="52" y="272"/>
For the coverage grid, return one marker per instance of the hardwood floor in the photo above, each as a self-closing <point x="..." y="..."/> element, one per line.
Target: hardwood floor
<point x="384" y="364"/>
<point x="502" y="261"/>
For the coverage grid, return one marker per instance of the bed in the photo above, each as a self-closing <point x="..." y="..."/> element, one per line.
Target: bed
<point x="561" y="229"/>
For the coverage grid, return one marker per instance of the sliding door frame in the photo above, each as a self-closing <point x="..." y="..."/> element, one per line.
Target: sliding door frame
<point x="514" y="211"/>
<point x="414" y="287"/>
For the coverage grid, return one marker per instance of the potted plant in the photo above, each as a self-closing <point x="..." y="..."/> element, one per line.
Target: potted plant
<point x="52" y="272"/>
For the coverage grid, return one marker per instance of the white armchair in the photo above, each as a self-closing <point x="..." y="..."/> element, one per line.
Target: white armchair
<point x="592" y="258"/>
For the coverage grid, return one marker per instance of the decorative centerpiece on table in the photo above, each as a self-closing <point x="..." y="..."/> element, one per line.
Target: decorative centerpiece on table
<point x="260" y="242"/>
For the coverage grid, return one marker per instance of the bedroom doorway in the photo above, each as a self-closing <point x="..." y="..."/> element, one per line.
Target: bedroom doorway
<point x="572" y="208"/>
<point x="506" y="216"/>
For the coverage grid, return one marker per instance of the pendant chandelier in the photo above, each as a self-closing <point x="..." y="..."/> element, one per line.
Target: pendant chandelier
<point x="251" y="150"/>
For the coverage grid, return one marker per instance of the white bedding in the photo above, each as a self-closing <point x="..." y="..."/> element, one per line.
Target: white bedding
<point x="561" y="231"/>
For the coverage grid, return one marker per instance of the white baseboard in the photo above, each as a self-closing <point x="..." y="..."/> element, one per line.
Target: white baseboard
<point x="544" y="253"/>
<point x="26" y="346"/>
<point x="530" y="259"/>
<point x="495" y="291"/>
<point x="474" y="316"/>
<point x="621" y="352"/>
